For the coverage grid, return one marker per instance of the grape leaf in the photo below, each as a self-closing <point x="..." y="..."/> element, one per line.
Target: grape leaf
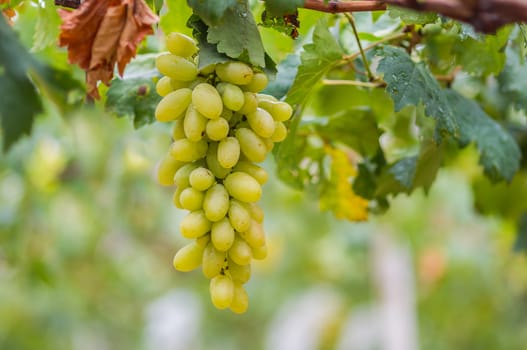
<point x="501" y="199"/>
<point x="212" y="12"/>
<point x="411" y="83"/>
<point x="409" y="16"/>
<point x="510" y="84"/>
<point x="287" y="70"/>
<point x="135" y="95"/>
<point x="175" y="18"/>
<point x="499" y="152"/>
<point x="47" y="27"/>
<point x="282" y="7"/>
<point x="520" y="245"/>
<point x="208" y="54"/>
<point x="238" y="34"/>
<point x="317" y="58"/>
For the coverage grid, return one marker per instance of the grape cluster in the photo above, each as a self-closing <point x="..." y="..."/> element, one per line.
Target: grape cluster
<point x="222" y="127"/>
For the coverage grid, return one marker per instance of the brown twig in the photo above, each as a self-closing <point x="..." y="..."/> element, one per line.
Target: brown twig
<point x="68" y="3"/>
<point x="345" y="6"/>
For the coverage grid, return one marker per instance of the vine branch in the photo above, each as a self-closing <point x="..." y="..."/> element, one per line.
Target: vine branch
<point x="68" y="3"/>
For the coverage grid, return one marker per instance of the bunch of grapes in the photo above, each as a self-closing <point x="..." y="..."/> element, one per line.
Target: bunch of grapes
<point x="222" y="127"/>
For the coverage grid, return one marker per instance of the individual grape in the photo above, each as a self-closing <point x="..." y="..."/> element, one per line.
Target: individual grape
<point x="189" y="257"/>
<point x="213" y="261"/>
<point x="178" y="84"/>
<point x="217" y="129"/>
<point x="221" y="291"/>
<point x="191" y="199"/>
<point x="259" y="253"/>
<point x="261" y="122"/>
<point x="280" y="132"/>
<point x="176" y="67"/>
<point x="175" y="198"/>
<point x="164" y="86"/>
<point x="207" y="100"/>
<point x="239" y="273"/>
<point x="226" y="114"/>
<point x="178" y="131"/>
<point x="203" y="240"/>
<point x="194" y="124"/>
<point x="196" y="82"/>
<point x="281" y="111"/>
<point x="213" y="164"/>
<point x="181" y="45"/>
<point x="239" y="216"/>
<point x="216" y="203"/>
<point x="234" y="72"/>
<point x="243" y="187"/>
<point x="173" y="105"/>
<point x="222" y="235"/>
<point x="195" y="224"/>
<point x="259" y="173"/>
<point x="251" y="145"/>
<point x="228" y="152"/>
<point x="207" y="70"/>
<point x="250" y="103"/>
<point x="266" y="97"/>
<point x="201" y="179"/>
<point x="188" y="151"/>
<point x="166" y="169"/>
<point x="232" y="96"/>
<point x="256" y="212"/>
<point x="257" y="84"/>
<point x="255" y="236"/>
<point x="181" y="178"/>
<point x="240" y="252"/>
<point x="269" y="144"/>
<point x="240" y="299"/>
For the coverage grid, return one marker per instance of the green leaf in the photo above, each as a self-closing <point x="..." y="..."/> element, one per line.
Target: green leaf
<point x="409" y="16"/>
<point x="175" y="18"/>
<point x="47" y="27"/>
<point x="208" y="54"/>
<point x="520" y="245"/>
<point x="287" y="70"/>
<point x="317" y="59"/>
<point x="282" y="7"/>
<point x="513" y="82"/>
<point x="502" y="199"/>
<point x="411" y="83"/>
<point x="499" y="152"/>
<point x="238" y="34"/>
<point x="135" y="95"/>
<point x="212" y="12"/>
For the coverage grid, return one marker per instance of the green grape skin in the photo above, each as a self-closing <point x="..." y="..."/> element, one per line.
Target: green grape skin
<point x="239" y="216"/>
<point x="207" y="70"/>
<point x="240" y="252"/>
<point x="243" y="187"/>
<point x="251" y="145"/>
<point x="261" y="122"/>
<point x="181" y="178"/>
<point x="188" y="151"/>
<point x="213" y="164"/>
<point x="191" y="199"/>
<point x="227" y="114"/>
<point x="166" y="169"/>
<point x="269" y="144"/>
<point x="250" y="103"/>
<point x="178" y="84"/>
<point x="175" y="198"/>
<point x="228" y="152"/>
<point x="280" y="132"/>
<point x="256" y="212"/>
<point x="164" y="86"/>
<point x="173" y="105"/>
<point x="265" y="97"/>
<point x="221" y="291"/>
<point x="222" y="235"/>
<point x="216" y="203"/>
<point x="181" y="45"/>
<point x="258" y="83"/>
<point x="259" y="173"/>
<point x="178" y="131"/>
<point x="281" y="111"/>
<point x="213" y="261"/>
<point x="194" y="224"/>
<point x="202" y="241"/>
<point x="239" y="273"/>
<point x="201" y="179"/>
<point x="232" y="96"/>
<point x="237" y="73"/>
<point x="255" y="236"/>
<point x="207" y="100"/>
<point x="240" y="300"/>
<point x="194" y="124"/>
<point x="176" y="67"/>
<point x="217" y="129"/>
<point x="259" y="253"/>
<point x="196" y="82"/>
<point x="188" y="257"/>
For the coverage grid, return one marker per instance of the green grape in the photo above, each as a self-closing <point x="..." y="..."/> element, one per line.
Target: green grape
<point x="251" y="145"/>
<point x="234" y="72"/>
<point x="222" y="235"/>
<point x="207" y="100"/>
<point x="252" y="169"/>
<point x="221" y="291"/>
<point x="194" y="124"/>
<point x="213" y="261"/>
<point x="256" y="212"/>
<point x="216" y="203"/>
<point x="213" y="164"/>
<point x="166" y="169"/>
<point x="195" y="224"/>
<point x="240" y="252"/>
<point x="266" y="97"/>
<point x="188" y="151"/>
<point x="175" y="198"/>
<point x="181" y="45"/>
<point x="261" y="122"/>
<point x="259" y="253"/>
<point x="176" y="67"/>
<point x="191" y="199"/>
<point x="232" y="96"/>
<point x="240" y="299"/>
<point x="281" y="111"/>
<point x="280" y="132"/>
<point x="239" y="216"/>
<point x="255" y="236"/>
<point x="269" y="144"/>
<point x="258" y="83"/>
<point x="239" y="273"/>
<point x="228" y="152"/>
<point x="173" y="105"/>
<point x="178" y="84"/>
<point x="164" y="86"/>
<point x="243" y="187"/>
<point x="217" y="129"/>
<point x="178" y="131"/>
<point x="188" y="258"/>
<point x="196" y="82"/>
<point x="207" y="70"/>
<point x="181" y="178"/>
<point x="250" y="103"/>
<point x="201" y="179"/>
<point x="226" y="114"/>
<point x="202" y="241"/>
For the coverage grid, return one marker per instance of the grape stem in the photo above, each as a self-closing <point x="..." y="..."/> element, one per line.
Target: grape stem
<point x="351" y="20"/>
<point x="68" y="3"/>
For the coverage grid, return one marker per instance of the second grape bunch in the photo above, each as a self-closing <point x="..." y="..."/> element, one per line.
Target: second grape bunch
<point x="222" y="127"/>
